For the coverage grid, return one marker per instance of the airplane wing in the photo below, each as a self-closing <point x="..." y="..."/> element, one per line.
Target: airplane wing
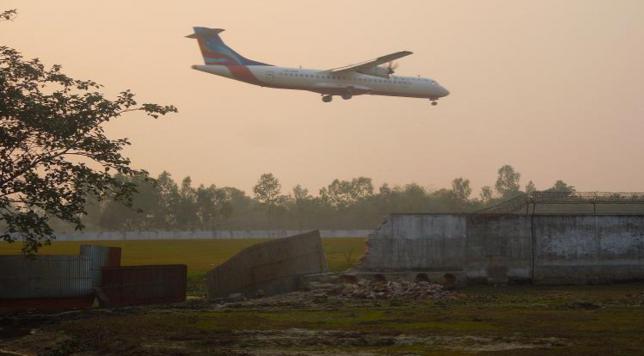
<point x="372" y="63"/>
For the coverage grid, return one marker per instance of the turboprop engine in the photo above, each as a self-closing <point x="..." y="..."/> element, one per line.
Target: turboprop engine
<point x="381" y="71"/>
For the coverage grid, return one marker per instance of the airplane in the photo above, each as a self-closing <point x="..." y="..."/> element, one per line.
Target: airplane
<point x="369" y="77"/>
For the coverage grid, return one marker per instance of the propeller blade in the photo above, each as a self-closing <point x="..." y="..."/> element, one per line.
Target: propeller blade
<point x="391" y="67"/>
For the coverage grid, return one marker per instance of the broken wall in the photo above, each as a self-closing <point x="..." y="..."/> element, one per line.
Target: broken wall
<point x="268" y="268"/>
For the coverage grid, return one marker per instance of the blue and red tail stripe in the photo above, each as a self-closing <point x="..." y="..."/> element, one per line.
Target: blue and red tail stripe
<point x="216" y="52"/>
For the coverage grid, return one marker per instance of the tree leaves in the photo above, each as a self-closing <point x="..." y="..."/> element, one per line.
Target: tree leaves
<point x="53" y="150"/>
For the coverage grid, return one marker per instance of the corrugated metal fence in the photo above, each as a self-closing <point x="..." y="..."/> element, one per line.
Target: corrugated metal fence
<point x="61" y="282"/>
<point x="45" y="277"/>
<point x="55" y="276"/>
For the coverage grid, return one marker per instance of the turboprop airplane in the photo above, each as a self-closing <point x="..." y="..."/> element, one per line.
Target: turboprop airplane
<point x="369" y="77"/>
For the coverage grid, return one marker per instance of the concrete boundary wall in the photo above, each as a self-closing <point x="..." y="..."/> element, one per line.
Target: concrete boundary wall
<point x="417" y="241"/>
<point x="588" y="249"/>
<point x="498" y="248"/>
<point x="202" y="235"/>
<point x="268" y="268"/>
<point x="547" y="249"/>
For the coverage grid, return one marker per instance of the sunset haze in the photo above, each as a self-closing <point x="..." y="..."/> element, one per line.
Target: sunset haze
<point x="553" y="88"/>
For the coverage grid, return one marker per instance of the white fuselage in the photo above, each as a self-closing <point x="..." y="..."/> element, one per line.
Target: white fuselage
<point x="329" y="83"/>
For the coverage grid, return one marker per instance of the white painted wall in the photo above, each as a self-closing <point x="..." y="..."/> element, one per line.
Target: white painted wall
<point x="202" y="235"/>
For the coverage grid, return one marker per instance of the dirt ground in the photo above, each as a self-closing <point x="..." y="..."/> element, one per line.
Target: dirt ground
<point x="532" y="320"/>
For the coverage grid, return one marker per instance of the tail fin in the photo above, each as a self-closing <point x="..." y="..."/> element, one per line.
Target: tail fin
<point x="215" y="51"/>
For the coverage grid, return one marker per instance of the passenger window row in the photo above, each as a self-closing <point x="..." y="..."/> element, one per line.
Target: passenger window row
<point x="334" y="77"/>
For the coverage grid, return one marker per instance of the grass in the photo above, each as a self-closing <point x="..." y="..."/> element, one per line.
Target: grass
<point x="514" y="314"/>
<point x="200" y="255"/>
<point x="586" y="320"/>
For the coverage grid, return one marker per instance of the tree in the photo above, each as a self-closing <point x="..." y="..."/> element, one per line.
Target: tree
<point x="562" y="187"/>
<point x="53" y="149"/>
<point x="343" y="193"/>
<point x="168" y="191"/>
<point x="304" y="203"/>
<point x="530" y="188"/>
<point x="507" y="184"/>
<point x="461" y="189"/>
<point x="267" y="190"/>
<point x="337" y="194"/>
<point x="361" y="188"/>
<point x="186" y="212"/>
<point x="384" y="190"/>
<point x="412" y="198"/>
<point x="211" y="205"/>
<point x="486" y="194"/>
<point x="300" y="194"/>
<point x="268" y="193"/>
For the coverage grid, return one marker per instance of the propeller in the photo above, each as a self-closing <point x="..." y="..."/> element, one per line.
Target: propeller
<point x="391" y="67"/>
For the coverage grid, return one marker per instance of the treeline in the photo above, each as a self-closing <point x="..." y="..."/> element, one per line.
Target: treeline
<point x="164" y="204"/>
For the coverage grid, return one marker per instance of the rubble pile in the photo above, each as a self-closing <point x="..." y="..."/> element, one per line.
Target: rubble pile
<point x="365" y="289"/>
<point x="394" y="290"/>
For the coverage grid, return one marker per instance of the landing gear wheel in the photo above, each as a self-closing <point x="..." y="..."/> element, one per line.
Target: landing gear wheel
<point x="434" y="103"/>
<point x="347" y="96"/>
<point x="327" y="98"/>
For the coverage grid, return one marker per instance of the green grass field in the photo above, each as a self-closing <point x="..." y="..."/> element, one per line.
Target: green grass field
<point x="200" y="255"/>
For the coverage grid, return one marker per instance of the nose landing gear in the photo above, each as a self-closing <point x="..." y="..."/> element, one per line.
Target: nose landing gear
<point x="434" y="101"/>
<point x="327" y="98"/>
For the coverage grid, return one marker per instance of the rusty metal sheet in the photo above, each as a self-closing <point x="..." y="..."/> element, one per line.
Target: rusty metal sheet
<point x="100" y="256"/>
<point x="133" y="285"/>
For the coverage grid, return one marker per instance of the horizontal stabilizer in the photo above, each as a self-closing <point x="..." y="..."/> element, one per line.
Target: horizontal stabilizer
<point x="204" y="31"/>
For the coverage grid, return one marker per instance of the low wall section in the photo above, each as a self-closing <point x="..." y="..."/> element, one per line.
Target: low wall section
<point x="548" y="249"/>
<point x="272" y="267"/>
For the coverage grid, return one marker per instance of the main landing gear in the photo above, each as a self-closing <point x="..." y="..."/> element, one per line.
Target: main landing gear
<point x="328" y="98"/>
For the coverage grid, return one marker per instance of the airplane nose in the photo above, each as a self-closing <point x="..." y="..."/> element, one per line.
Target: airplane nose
<point x="444" y="92"/>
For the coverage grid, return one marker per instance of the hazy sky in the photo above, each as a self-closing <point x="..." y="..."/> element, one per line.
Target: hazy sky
<point x="554" y="88"/>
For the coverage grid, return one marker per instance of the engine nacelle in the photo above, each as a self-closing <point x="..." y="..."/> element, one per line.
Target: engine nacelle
<point x="378" y="71"/>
